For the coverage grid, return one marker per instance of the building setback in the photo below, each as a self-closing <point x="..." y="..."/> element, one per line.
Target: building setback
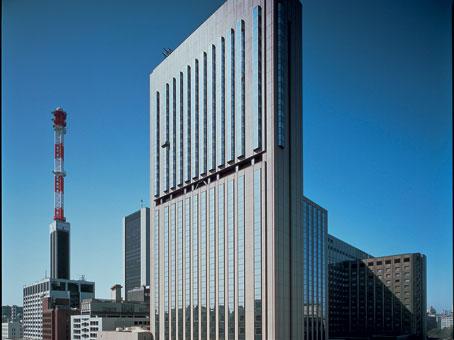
<point x="136" y="250"/>
<point x="226" y="180"/>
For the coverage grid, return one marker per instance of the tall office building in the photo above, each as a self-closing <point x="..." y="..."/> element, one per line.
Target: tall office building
<point x="338" y="279"/>
<point x="136" y="250"/>
<point x="226" y="179"/>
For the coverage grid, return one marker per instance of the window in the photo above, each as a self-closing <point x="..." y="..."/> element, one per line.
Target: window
<point x="379" y="263"/>
<point x="221" y="96"/>
<point x="221" y="244"/>
<point x="406" y="267"/>
<point x="258" y="255"/>
<point x="387" y="261"/>
<point x="157" y="146"/>
<point x="187" y="112"/>
<point x="195" y="120"/>
<point x="195" y="266"/>
<point x="257" y="60"/>
<point x="282" y="27"/>
<point x="240" y="89"/>
<point x="396" y="260"/>
<point x="406" y="259"/>
<point x="370" y="264"/>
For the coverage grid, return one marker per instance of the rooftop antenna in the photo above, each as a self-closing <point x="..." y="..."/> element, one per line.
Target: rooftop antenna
<point x="141" y="204"/>
<point x="82" y="277"/>
<point x="166" y="52"/>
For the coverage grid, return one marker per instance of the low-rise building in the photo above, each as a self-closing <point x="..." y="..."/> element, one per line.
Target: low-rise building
<point x="106" y="315"/>
<point x="57" y="318"/>
<point x="444" y="321"/>
<point x="73" y="290"/>
<point x="126" y="334"/>
<point x="12" y="330"/>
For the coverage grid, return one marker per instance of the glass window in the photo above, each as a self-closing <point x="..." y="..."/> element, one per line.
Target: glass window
<point x="188" y="268"/>
<point x="241" y="235"/>
<point x="172" y="273"/>
<point x="257" y="255"/>
<point x="166" y="143"/>
<point x="281" y="73"/>
<point x="173" y="142"/>
<point x="257" y="70"/>
<point x="156" y="271"/>
<point x="195" y="120"/>
<point x="180" y="139"/>
<point x="212" y="259"/>
<point x="195" y="266"/>
<point x="166" y="272"/>
<point x="221" y="244"/>
<point x="231" y="260"/>
<point x="240" y="88"/>
<point x="203" y="262"/>
<point x="213" y="108"/>
<point x="187" y="177"/>
<point x="221" y="96"/>
<point x="205" y="116"/>
<point x="157" y="146"/>
<point x="180" y="267"/>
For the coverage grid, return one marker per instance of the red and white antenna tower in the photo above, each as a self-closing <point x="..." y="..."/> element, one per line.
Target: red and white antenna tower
<point x="59" y="120"/>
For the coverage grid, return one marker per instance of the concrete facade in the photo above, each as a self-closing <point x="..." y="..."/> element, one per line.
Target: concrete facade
<point x="226" y="178"/>
<point x="57" y="318"/>
<point x="12" y="330"/>
<point x="87" y="327"/>
<point x="126" y="335"/>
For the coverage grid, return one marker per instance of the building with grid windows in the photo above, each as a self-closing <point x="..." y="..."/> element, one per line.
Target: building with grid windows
<point x="71" y="291"/>
<point x="382" y="296"/>
<point x="136" y="250"/>
<point x="226" y="183"/>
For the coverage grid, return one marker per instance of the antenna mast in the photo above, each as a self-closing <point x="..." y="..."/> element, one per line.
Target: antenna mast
<point x="59" y="120"/>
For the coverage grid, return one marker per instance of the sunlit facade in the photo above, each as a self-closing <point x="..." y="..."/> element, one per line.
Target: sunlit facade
<point x="226" y="182"/>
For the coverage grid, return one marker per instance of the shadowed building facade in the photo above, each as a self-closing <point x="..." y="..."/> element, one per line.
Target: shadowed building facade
<point x="227" y="181"/>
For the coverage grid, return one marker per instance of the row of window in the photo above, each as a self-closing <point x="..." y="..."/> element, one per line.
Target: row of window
<point x="190" y="117"/>
<point x="228" y="233"/>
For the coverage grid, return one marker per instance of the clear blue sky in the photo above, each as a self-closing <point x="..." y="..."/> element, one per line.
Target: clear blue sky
<point x="377" y="126"/>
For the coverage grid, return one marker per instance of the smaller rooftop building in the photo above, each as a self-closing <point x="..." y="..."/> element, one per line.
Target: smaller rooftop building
<point x="133" y="333"/>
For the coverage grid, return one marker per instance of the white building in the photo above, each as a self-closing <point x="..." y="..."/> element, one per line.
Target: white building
<point x="86" y="327"/>
<point x="74" y="290"/>
<point x="12" y="330"/>
<point x="444" y="321"/>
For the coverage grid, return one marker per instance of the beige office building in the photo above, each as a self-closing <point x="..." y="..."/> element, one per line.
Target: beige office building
<point x="227" y="181"/>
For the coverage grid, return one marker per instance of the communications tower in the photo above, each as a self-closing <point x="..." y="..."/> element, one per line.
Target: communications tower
<point x="59" y="228"/>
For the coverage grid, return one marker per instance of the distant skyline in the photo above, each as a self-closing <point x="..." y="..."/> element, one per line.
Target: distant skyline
<point x="377" y="136"/>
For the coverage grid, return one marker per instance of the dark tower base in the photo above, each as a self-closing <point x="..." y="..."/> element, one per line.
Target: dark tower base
<point x="59" y="250"/>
